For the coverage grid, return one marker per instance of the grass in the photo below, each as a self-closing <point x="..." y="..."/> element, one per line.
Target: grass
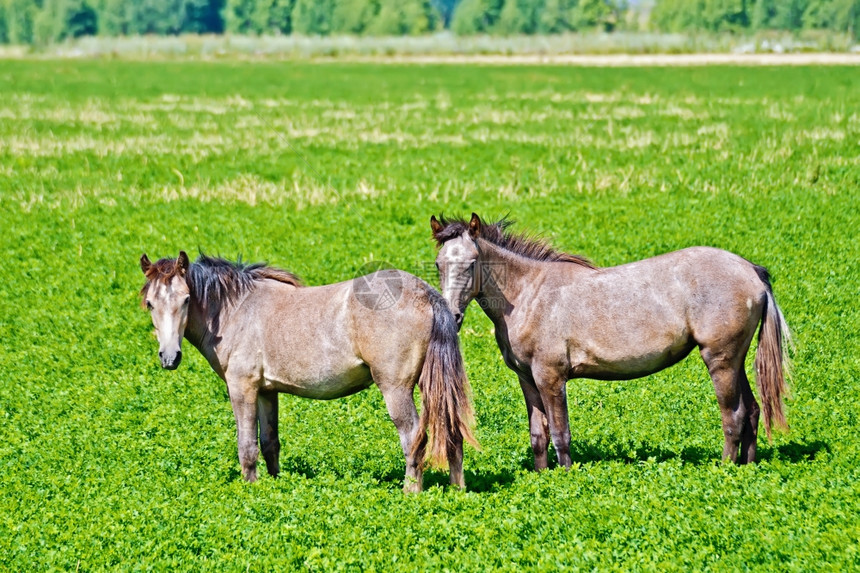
<point x="108" y="462"/>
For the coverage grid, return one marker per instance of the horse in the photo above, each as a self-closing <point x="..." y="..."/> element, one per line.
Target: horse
<point x="557" y="317"/>
<point x="263" y="332"/>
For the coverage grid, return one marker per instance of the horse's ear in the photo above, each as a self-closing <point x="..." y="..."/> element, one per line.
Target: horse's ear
<point x="475" y="226"/>
<point x="435" y="225"/>
<point x="182" y="262"/>
<point x="145" y="263"/>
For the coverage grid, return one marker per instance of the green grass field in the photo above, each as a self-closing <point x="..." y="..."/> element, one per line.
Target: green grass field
<point x="109" y="462"/>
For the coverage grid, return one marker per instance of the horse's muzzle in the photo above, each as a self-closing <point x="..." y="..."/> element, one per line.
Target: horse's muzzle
<point x="170" y="362"/>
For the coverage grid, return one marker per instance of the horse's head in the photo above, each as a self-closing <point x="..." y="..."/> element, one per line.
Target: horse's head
<point x="167" y="297"/>
<point x="457" y="262"/>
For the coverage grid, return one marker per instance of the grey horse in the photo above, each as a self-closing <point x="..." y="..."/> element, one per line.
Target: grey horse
<point x="558" y="317"/>
<point x="264" y="333"/>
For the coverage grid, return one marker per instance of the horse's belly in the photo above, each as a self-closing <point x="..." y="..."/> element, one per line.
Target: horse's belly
<point x="321" y="383"/>
<point x="630" y="362"/>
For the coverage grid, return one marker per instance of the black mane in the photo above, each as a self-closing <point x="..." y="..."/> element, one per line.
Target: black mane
<point x="215" y="281"/>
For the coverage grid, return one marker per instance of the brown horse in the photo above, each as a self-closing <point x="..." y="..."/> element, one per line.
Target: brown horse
<point x="264" y="333"/>
<point x="558" y="317"/>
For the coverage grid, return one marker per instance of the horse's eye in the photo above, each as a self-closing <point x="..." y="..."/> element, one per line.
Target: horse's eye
<point x="437" y="265"/>
<point x="186" y="301"/>
<point x="148" y="305"/>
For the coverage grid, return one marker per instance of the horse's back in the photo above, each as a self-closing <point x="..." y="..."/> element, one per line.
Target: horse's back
<point x="702" y="284"/>
<point x="637" y="318"/>
<point x="333" y="340"/>
<point x="703" y="274"/>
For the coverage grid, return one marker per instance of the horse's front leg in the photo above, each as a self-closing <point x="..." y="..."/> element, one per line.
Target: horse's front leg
<point x="538" y="431"/>
<point x="552" y="387"/>
<point x="243" y="397"/>
<point x="270" y="444"/>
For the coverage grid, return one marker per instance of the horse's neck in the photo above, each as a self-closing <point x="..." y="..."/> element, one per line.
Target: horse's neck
<point x="504" y="280"/>
<point x="199" y="330"/>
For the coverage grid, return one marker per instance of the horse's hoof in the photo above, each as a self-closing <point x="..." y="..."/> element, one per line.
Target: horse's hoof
<point x="411" y="486"/>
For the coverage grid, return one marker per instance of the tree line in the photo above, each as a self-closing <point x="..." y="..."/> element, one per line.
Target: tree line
<point x="45" y="21"/>
<point x="739" y="15"/>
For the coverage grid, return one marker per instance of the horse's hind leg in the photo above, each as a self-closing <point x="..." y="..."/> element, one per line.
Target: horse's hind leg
<point x="270" y="444"/>
<point x="455" y="464"/>
<point x="727" y="374"/>
<point x="749" y="437"/>
<point x="401" y="408"/>
<point x="538" y="426"/>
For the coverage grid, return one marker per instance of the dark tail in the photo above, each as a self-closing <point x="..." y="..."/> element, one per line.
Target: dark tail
<point x="772" y="364"/>
<point x="446" y="408"/>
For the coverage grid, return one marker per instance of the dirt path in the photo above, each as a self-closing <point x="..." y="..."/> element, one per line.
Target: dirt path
<point x="625" y="60"/>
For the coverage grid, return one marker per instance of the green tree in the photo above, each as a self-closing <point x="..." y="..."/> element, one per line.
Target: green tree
<point x="239" y="16"/>
<point x="271" y="17"/>
<point x="788" y="14"/>
<point x="592" y="14"/>
<point x="312" y="17"/>
<point x="353" y="16"/>
<point x="847" y="17"/>
<point x="81" y="20"/>
<point x="701" y="15"/>
<point x="837" y="15"/>
<point x="555" y="16"/>
<point x="114" y="17"/>
<point x="46" y="24"/>
<point x="519" y="17"/>
<point x="157" y="17"/>
<point x="4" y="29"/>
<point x="475" y="16"/>
<point x="61" y="19"/>
<point x="203" y="17"/>
<point x="722" y="15"/>
<point x="399" y="17"/>
<point x="763" y="13"/>
<point x="20" y="19"/>
<point x="706" y="15"/>
<point x="445" y="9"/>
<point x="818" y="14"/>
